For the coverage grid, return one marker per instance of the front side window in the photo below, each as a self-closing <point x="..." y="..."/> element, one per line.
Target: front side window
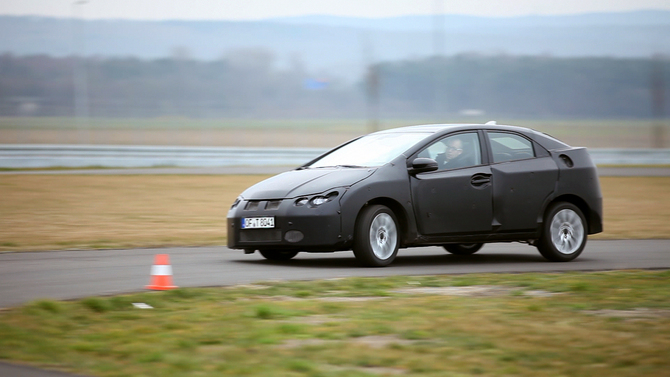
<point x="456" y="151"/>
<point x="510" y="147"/>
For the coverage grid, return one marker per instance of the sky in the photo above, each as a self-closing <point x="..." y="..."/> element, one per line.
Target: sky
<point x="262" y="9"/>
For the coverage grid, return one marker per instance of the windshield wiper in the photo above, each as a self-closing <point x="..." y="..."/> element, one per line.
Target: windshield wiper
<point x="342" y="166"/>
<point x="351" y="166"/>
<point x="333" y="166"/>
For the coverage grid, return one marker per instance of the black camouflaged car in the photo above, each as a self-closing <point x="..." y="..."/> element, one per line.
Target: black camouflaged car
<point x="457" y="186"/>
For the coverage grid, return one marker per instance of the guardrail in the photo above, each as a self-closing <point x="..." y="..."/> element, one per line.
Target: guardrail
<point x="56" y="155"/>
<point x="43" y="156"/>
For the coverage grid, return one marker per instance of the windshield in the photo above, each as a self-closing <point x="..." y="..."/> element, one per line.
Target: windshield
<point x="371" y="150"/>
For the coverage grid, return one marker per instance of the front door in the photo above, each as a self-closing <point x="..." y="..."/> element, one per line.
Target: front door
<point x="457" y="198"/>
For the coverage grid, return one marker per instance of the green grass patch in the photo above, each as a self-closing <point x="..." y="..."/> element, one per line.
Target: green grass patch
<point x="583" y="324"/>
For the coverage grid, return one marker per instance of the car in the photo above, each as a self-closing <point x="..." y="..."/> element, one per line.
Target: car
<point x="458" y="186"/>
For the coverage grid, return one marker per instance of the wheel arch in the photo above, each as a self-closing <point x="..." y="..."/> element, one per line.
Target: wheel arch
<point x="575" y="200"/>
<point x="398" y="211"/>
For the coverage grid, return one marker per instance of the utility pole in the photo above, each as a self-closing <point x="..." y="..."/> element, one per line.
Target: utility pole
<point x="438" y="54"/>
<point x="79" y="72"/>
<point x="371" y="85"/>
<point x="658" y="101"/>
<point x="373" y="97"/>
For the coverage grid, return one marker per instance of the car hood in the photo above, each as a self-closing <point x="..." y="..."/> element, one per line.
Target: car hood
<point x="296" y="183"/>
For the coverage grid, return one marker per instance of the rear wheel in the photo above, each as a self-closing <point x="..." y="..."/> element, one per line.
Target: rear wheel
<point x="377" y="238"/>
<point x="463" y="248"/>
<point x="564" y="233"/>
<point x="278" y="255"/>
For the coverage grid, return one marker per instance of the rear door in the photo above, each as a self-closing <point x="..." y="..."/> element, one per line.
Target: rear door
<point x="524" y="177"/>
<point x="456" y="198"/>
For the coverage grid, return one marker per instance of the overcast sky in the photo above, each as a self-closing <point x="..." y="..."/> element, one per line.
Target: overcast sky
<point x="260" y="9"/>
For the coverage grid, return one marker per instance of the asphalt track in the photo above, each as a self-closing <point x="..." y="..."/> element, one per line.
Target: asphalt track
<point x="27" y="276"/>
<point x="60" y="275"/>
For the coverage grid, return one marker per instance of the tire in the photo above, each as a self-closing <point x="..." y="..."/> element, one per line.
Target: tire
<point x="463" y="248"/>
<point x="376" y="236"/>
<point x="564" y="233"/>
<point x="278" y="255"/>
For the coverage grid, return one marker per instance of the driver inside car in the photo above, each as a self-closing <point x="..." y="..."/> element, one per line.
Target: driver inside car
<point x="452" y="156"/>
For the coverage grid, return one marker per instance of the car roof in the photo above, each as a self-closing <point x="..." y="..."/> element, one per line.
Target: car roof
<point x="545" y="140"/>
<point x="435" y="128"/>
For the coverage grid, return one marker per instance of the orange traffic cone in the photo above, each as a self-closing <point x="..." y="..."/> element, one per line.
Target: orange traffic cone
<point x="161" y="274"/>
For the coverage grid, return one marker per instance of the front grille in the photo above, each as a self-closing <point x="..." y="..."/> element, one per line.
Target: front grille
<point x="260" y="235"/>
<point x="252" y="205"/>
<point x="272" y="204"/>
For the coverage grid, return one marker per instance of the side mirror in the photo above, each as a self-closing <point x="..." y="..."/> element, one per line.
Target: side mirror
<point x="422" y="165"/>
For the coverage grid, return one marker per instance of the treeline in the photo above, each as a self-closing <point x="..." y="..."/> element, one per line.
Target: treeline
<point x="528" y="86"/>
<point x="248" y="84"/>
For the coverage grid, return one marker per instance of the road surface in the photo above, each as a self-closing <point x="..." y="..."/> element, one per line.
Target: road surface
<point x="27" y="276"/>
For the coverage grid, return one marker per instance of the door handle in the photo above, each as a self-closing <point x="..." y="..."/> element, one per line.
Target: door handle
<point x="479" y="180"/>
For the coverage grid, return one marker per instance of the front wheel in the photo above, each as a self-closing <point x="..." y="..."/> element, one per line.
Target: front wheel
<point x="278" y="255"/>
<point x="463" y="248"/>
<point x="376" y="238"/>
<point x="564" y="233"/>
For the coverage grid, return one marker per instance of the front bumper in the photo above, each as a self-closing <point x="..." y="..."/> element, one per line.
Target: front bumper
<point x="301" y="228"/>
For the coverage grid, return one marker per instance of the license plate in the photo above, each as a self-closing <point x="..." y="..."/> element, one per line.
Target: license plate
<point x="258" y="222"/>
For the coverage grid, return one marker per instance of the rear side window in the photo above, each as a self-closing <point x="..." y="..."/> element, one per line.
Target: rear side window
<point x="509" y="147"/>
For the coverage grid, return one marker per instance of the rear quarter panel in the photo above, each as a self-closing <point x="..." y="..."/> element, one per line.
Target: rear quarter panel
<point x="581" y="181"/>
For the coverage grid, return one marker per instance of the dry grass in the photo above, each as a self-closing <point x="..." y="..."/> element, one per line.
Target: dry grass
<point x="46" y="212"/>
<point x="83" y="211"/>
<point x="636" y="207"/>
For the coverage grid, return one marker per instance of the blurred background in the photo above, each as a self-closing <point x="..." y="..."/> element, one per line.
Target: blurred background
<point x="294" y="73"/>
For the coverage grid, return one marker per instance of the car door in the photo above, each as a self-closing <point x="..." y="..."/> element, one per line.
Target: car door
<point x="524" y="176"/>
<point x="456" y="198"/>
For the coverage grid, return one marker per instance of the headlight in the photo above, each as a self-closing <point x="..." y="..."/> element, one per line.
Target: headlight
<point x="321" y="199"/>
<point x="235" y="203"/>
<point x="301" y="202"/>
<point x="317" y="200"/>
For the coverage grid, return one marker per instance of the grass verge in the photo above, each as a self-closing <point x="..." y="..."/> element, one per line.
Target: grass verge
<point x="48" y="212"/>
<point x="576" y="324"/>
<point x="635" y="207"/>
